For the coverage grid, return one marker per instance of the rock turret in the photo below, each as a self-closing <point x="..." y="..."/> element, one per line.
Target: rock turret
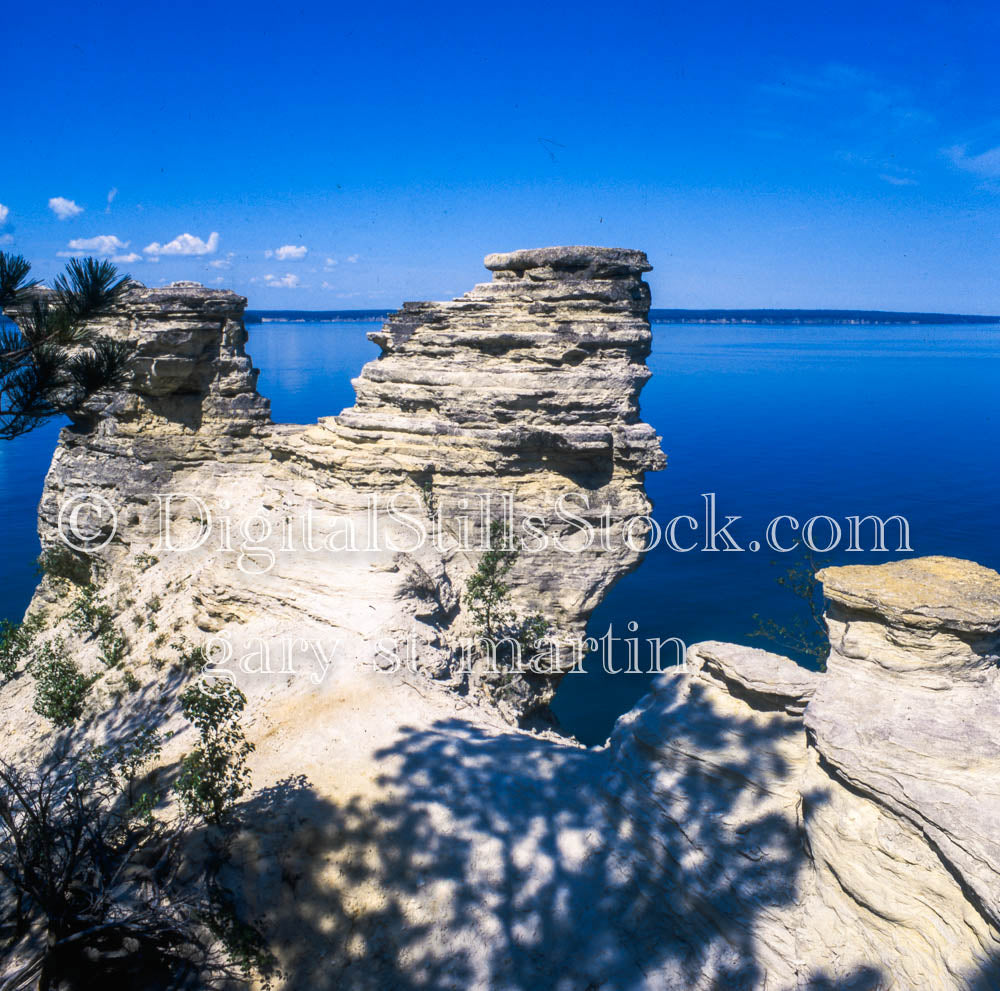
<point x="533" y="377"/>
<point x="525" y="389"/>
<point x="512" y="401"/>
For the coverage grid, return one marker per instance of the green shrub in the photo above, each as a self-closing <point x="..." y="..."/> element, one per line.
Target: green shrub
<point x="62" y="563"/>
<point x="192" y="659"/>
<point x="530" y="630"/>
<point x="805" y="634"/>
<point x="104" y="887"/>
<point x="120" y="766"/>
<point x="16" y="641"/>
<point x="215" y="775"/>
<point x="114" y="646"/>
<point x="61" y="688"/>
<point x="487" y="594"/>
<point x="88" y="614"/>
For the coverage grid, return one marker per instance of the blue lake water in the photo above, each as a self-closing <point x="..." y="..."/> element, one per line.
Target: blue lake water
<point x="799" y="421"/>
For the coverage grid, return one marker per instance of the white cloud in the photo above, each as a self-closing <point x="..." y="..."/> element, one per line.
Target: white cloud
<point x="103" y="244"/>
<point x="330" y="262"/>
<point x="112" y="193"/>
<point x="4" y="214"/>
<point x="223" y="263"/>
<point x="64" y="208"/>
<point x="185" y="244"/>
<point x="986" y="163"/>
<point x="288" y="253"/>
<point x="132" y="256"/>
<point x="896" y="180"/>
<point x="353" y="258"/>
<point x="286" y="281"/>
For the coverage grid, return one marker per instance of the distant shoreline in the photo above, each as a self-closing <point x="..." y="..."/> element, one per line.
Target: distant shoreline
<point x="715" y="316"/>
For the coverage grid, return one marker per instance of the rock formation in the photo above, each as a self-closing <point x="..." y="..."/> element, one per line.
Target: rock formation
<point x="499" y="403"/>
<point x="839" y="827"/>
<point x="750" y="824"/>
<point x="525" y="389"/>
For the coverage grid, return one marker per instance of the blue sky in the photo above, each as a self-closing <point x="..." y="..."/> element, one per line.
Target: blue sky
<point x="841" y="155"/>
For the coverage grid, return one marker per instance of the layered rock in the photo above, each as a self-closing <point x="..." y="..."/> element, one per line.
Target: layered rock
<point x="191" y="389"/>
<point x="906" y="722"/>
<point x="532" y="377"/>
<point x="838" y="829"/>
<point x="189" y="405"/>
<point x="525" y="389"/>
<point x="502" y="404"/>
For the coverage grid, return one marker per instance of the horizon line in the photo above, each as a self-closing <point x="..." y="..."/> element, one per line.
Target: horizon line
<point x="708" y="314"/>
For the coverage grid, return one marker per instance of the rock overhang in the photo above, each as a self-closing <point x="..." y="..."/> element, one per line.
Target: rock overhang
<point x="572" y="261"/>
<point x="928" y="592"/>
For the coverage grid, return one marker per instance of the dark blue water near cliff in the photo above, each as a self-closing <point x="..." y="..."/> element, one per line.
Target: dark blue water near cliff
<point x="775" y="420"/>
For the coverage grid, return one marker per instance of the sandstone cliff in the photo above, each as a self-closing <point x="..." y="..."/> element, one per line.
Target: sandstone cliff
<point x="750" y="824"/>
<point x="499" y="403"/>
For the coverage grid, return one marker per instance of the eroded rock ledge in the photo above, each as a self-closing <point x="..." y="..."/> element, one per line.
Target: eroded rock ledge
<point x="838" y="829"/>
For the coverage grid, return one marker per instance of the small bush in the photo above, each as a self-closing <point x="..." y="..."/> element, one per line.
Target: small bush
<point x="488" y="597"/>
<point x="88" y="614"/>
<point x="806" y="634"/>
<point x="215" y="775"/>
<point x="114" y="646"/>
<point x="531" y="630"/>
<point x="105" y="884"/>
<point x="487" y="593"/>
<point x="120" y="766"/>
<point x="62" y="563"/>
<point x="61" y="688"/>
<point x="16" y="641"/>
<point x="192" y="659"/>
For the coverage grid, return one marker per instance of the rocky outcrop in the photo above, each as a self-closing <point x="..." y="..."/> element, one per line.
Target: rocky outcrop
<point x="191" y="391"/>
<point x="521" y="393"/>
<point x="838" y="829"/>
<point x="190" y="406"/>
<point x="906" y="723"/>
<point x="516" y="401"/>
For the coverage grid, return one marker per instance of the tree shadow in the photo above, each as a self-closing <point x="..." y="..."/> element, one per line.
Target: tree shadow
<point x="505" y="861"/>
